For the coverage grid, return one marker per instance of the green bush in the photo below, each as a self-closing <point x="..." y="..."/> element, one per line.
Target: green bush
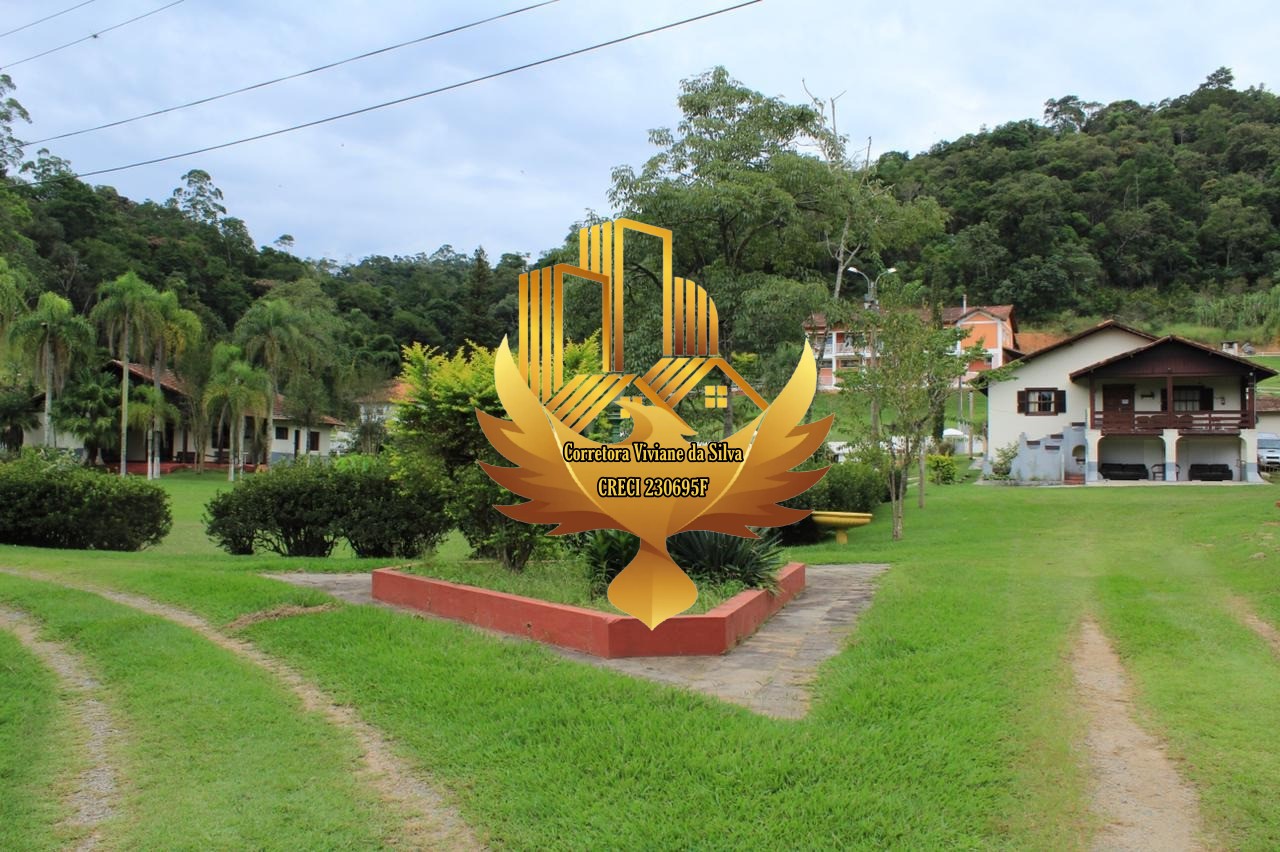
<point x="943" y="469"/>
<point x="710" y="558"/>
<point x="384" y="518"/>
<point x="1002" y="464"/>
<point x="303" y="508"/>
<point x="853" y="487"/>
<point x="606" y="553"/>
<point x="54" y="502"/>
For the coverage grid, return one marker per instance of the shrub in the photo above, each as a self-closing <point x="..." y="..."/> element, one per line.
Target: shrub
<point x="853" y="487"/>
<point x="943" y="469"/>
<point x="302" y="509"/>
<point x="708" y="557"/>
<point x="711" y="557"/>
<point x="606" y="553"/>
<point x="232" y="519"/>
<point x="382" y="517"/>
<point x="1002" y="464"/>
<point x="292" y="509"/>
<point x="54" y="502"/>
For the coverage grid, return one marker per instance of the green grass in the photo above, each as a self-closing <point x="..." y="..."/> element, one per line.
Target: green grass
<point x="34" y="750"/>
<point x="1271" y="385"/>
<point x="215" y="753"/>
<point x="947" y="721"/>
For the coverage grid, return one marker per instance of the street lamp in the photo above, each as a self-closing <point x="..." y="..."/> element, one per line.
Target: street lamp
<point x="871" y="301"/>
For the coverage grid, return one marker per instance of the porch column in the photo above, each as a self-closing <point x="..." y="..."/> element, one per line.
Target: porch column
<point x="1249" y="463"/>
<point x="1092" y="438"/>
<point x="1170" y="455"/>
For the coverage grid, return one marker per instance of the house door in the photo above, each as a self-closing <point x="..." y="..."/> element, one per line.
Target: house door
<point x="1117" y="397"/>
<point x="1117" y="407"/>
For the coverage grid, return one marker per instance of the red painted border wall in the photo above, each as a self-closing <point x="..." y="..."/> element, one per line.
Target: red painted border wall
<point x="591" y="631"/>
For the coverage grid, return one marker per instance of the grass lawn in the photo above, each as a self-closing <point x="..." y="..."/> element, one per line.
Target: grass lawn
<point x="948" y="721"/>
<point x="1271" y="385"/>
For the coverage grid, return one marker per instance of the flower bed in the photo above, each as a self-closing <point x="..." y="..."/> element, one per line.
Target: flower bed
<point x="599" y="633"/>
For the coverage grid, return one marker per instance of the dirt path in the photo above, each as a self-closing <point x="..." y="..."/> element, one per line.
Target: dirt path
<point x="1137" y="791"/>
<point x="770" y="673"/>
<point x="430" y="821"/>
<point x="1244" y="611"/>
<point x="96" y="793"/>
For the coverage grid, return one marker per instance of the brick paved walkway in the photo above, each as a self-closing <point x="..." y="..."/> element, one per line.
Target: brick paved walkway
<point x="769" y="673"/>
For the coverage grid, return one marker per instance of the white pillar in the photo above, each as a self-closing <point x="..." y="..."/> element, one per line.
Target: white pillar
<point x="1093" y="439"/>
<point x="1249" y="461"/>
<point x="1170" y="455"/>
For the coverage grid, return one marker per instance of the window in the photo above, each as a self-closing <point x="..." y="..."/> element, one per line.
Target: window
<point x="313" y="442"/>
<point x="716" y="396"/>
<point x="1042" y="401"/>
<point x="282" y="433"/>
<point x="1192" y="398"/>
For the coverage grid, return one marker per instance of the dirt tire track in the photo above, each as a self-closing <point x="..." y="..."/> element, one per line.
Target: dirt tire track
<point x="1244" y="611"/>
<point x="430" y="821"/>
<point x="95" y="797"/>
<point x="1137" y="792"/>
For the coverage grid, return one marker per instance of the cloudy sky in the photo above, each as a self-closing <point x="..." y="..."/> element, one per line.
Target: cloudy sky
<point x="512" y="162"/>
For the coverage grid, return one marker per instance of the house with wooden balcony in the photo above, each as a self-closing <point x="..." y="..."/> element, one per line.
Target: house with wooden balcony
<point x="1116" y="403"/>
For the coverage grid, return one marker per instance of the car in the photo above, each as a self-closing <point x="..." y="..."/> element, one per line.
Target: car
<point x="1268" y="451"/>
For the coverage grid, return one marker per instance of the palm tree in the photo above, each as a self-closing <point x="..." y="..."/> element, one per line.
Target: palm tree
<point x="237" y="390"/>
<point x="177" y="328"/>
<point x="89" y="410"/>
<point x="52" y="334"/>
<point x="128" y="313"/>
<point x="272" y="334"/>
<point x="151" y="411"/>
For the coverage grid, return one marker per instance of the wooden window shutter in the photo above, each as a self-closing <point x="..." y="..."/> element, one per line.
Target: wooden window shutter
<point x="1164" y="399"/>
<point x="1206" y="399"/>
<point x="1059" y="402"/>
<point x="1022" y="402"/>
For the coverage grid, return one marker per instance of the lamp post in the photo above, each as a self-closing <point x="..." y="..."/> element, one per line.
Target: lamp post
<point x="872" y="303"/>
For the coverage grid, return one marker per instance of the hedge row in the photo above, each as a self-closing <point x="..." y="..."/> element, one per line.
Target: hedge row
<point x="304" y="508"/>
<point x="50" y="501"/>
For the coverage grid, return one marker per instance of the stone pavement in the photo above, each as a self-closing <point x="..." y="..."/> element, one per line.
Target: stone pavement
<point x="769" y="673"/>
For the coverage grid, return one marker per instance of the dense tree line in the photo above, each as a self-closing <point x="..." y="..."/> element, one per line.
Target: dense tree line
<point x="1159" y="212"/>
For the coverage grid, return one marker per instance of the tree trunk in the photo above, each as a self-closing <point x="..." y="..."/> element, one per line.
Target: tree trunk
<point x="271" y="417"/>
<point x="231" y="456"/>
<point x="124" y="398"/>
<point x="920" y="491"/>
<point x="896" y="497"/>
<point x="48" y="392"/>
<point x="153" y="458"/>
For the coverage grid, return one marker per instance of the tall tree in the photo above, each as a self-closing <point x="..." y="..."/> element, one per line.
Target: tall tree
<point x="52" y="335"/>
<point x="176" y="329"/>
<point x="273" y="334"/>
<point x="129" y="314"/>
<point x="238" y="391"/>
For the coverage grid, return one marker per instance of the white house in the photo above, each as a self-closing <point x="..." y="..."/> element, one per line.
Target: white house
<point x="1113" y="402"/>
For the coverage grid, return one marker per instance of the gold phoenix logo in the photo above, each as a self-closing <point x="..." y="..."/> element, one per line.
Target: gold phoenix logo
<point x="656" y="482"/>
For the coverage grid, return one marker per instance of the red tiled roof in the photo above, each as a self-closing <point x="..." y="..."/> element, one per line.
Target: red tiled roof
<point x="1033" y="341"/>
<point x="950" y="316"/>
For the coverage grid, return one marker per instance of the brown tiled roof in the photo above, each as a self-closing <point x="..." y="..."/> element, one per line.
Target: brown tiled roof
<point x="1268" y="402"/>
<point x="950" y="316"/>
<point x="1263" y="372"/>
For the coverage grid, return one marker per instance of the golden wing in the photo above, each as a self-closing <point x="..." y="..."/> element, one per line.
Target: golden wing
<point x="773" y="444"/>
<point x="532" y="440"/>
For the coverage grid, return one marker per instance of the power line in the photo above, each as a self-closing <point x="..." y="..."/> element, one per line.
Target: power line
<point x="325" y="67"/>
<point x="408" y="98"/>
<point x="91" y="35"/>
<point x="45" y="18"/>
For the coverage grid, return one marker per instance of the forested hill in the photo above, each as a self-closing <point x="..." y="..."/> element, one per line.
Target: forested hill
<point x="1159" y="213"/>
